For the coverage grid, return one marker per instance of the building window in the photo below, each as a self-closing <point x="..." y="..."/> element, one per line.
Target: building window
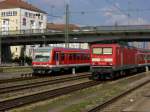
<point x="41" y="17"/>
<point x="40" y="24"/>
<point x="9" y="13"/>
<point x="34" y="15"/>
<point x="14" y="13"/>
<point x="4" y="22"/>
<point x="3" y="14"/>
<point x="30" y="15"/>
<point x="26" y="14"/>
<point x="24" y="21"/>
<point x="32" y="24"/>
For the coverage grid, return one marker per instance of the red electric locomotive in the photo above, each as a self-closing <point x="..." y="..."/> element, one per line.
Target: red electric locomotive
<point x="109" y="61"/>
<point x="47" y="60"/>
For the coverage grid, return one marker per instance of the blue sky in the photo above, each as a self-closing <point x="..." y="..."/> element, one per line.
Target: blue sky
<point x="97" y="12"/>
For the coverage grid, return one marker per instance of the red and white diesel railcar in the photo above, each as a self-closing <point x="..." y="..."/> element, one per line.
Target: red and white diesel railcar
<point x="114" y="60"/>
<point x="47" y="59"/>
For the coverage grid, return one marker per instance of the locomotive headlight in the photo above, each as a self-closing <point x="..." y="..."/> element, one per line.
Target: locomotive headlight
<point x="95" y="59"/>
<point x="108" y="59"/>
<point x="102" y="59"/>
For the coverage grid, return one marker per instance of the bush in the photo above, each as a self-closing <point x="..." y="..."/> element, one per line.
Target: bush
<point x="28" y="60"/>
<point x="21" y="60"/>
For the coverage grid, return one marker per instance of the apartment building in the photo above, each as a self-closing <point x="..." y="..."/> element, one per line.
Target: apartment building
<point x="18" y="15"/>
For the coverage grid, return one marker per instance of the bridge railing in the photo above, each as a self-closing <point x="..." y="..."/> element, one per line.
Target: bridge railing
<point x="116" y="28"/>
<point x="123" y="28"/>
<point x="19" y="32"/>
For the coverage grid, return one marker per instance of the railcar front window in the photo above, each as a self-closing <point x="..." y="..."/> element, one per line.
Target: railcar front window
<point x="41" y="57"/>
<point x="97" y="50"/>
<point x="107" y="50"/>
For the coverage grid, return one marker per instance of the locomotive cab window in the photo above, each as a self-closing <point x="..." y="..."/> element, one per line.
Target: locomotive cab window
<point x="97" y="51"/>
<point x="107" y="50"/>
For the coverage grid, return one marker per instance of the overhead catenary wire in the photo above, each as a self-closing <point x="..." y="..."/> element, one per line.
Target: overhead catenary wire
<point x="101" y="11"/>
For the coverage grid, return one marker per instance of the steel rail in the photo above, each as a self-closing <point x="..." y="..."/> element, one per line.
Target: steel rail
<point x="42" y="83"/>
<point x="17" y="102"/>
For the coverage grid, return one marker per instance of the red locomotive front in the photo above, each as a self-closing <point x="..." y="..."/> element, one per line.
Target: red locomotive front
<point x="113" y="60"/>
<point x="102" y="59"/>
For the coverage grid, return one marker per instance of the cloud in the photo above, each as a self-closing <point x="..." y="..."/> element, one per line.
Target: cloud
<point x="56" y="3"/>
<point x="115" y="15"/>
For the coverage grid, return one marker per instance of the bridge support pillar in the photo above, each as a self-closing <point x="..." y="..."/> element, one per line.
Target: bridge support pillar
<point x="147" y="69"/>
<point x="23" y="55"/>
<point x="73" y="71"/>
<point x="6" y="54"/>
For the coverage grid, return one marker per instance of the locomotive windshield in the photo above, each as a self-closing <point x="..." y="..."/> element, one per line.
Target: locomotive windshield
<point x="97" y="50"/>
<point x="102" y="50"/>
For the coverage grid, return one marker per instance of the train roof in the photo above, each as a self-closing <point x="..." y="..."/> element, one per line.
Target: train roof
<point x="141" y="50"/>
<point x="108" y="45"/>
<point x="114" y="44"/>
<point x="58" y="48"/>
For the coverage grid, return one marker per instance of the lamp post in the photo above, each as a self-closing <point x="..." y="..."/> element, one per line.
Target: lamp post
<point x="67" y="25"/>
<point x="52" y="7"/>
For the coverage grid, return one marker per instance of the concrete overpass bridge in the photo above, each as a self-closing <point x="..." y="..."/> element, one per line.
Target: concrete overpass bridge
<point x="87" y="34"/>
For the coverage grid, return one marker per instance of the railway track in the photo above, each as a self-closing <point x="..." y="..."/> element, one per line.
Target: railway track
<point x="28" y="77"/>
<point x="114" y="99"/>
<point x="22" y="78"/>
<point x="42" y="83"/>
<point x="17" y="102"/>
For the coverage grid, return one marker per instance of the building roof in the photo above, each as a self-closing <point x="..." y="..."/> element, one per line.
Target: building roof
<point x="61" y="27"/>
<point x="8" y="4"/>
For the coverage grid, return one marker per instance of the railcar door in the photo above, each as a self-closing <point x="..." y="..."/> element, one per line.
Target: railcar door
<point x="57" y="58"/>
<point x="122" y="58"/>
<point x="62" y="60"/>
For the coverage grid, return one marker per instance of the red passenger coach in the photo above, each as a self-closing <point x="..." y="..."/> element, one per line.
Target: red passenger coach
<point x="47" y="59"/>
<point x="113" y="60"/>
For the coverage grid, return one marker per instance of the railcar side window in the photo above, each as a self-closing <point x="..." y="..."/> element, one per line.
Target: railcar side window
<point x="70" y="56"/>
<point x="78" y="56"/>
<point x="57" y="56"/>
<point x="88" y="57"/>
<point x="83" y="56"/>
<point x="97" y="50"/>
<point x="62" y="56"/>
<point x="107" y="50"/>
<point x="74" y="56"/>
